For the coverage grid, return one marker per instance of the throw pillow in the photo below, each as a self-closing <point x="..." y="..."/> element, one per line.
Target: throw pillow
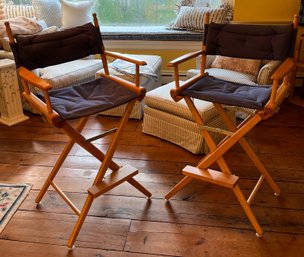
<point x="248" y="66"/>
<point x="181" y="3"/>
<point x="192" y="18"/>
<point x="49" y="11"/>
<point x="75" y="13"/>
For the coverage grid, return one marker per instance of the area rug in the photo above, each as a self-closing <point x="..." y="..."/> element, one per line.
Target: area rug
<point x="11" y="196"/>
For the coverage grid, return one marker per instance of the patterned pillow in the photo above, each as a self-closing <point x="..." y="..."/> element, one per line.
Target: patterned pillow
<point x="248" y="66"/>
<point x="192" y="18"/>
<point x="49" y="11"/>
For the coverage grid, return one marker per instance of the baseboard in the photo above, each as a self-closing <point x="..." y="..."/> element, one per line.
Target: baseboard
<point x="167" y="76"/>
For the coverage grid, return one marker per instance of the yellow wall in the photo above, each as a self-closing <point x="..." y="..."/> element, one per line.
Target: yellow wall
<point x="265" y="10"/>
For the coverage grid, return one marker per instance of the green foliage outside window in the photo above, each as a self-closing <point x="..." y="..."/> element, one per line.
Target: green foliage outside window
<point x="134" y="12"/>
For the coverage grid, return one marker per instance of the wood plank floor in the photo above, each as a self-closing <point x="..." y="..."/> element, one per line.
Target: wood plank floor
<point x="201" y="220"/>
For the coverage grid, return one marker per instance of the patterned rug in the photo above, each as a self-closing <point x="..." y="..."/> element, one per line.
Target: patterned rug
<point x="11" y="196"/>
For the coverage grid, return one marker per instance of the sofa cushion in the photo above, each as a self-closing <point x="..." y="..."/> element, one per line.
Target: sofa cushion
<point x="69" y="73"/>
<point x="232" y="76"/>
<point x="161" y="99"/>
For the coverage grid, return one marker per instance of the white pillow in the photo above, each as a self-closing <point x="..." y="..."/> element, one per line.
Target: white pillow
<point x="75" y="13"/>
<point x="49" y="11"/>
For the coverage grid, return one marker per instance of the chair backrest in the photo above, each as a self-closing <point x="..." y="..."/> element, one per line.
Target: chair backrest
<point x="268" y="42"/>
<point x="38" y="51"/>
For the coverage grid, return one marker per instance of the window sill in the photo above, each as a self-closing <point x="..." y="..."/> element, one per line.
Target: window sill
<point x="150" y="33"/>
<point x="152" y="37"/>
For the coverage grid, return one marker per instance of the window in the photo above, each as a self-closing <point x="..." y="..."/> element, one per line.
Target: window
<point x="134" y="12"/>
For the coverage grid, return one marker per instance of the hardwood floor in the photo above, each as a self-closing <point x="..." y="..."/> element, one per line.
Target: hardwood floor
<point x="201" y="220"/>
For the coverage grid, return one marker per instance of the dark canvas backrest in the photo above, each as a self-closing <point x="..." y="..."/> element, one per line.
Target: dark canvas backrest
<point x="269" y="42"/>
<point x="38" y="51"/>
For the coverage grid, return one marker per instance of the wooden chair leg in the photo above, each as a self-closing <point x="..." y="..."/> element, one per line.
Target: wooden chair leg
<point x="84" y="212"/>
<point x="216" y="155"/>
<point x="60" y="161"/>
<point x="98" y="188"/>
<point x="247" y="148"/>
<point x="178" y="187"/>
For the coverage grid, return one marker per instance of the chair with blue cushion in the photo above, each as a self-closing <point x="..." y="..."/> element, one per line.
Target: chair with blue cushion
<point x="246" y="41"/>
<point x="61" y="106"/>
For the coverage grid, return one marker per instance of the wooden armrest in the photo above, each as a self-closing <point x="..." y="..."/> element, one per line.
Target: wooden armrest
<point x="141" y="91"/>
<point x="283" y="69"/>
<point x="125" y="58"/>
<point x="175" y="92"/>
<point x="31" y="78"/>
<point x="184" y="58"/>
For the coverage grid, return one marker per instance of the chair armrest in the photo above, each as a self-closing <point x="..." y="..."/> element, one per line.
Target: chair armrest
<point x="286" y="67"/>
<point x="184" y="58"/>
<point x="126" y="58"/>
<point x="279" y="92"/>
<point x="31" y="78"/>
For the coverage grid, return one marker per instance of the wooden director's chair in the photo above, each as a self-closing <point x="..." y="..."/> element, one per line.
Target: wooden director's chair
<point x="266" y="42"/>
<point x="78" y="102"/>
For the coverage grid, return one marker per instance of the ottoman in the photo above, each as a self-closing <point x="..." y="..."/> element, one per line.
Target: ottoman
<point x="173" y="122"/>
<point x="154" y="63"/>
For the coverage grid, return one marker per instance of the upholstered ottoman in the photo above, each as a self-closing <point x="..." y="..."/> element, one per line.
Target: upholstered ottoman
<point x="147" y="81"/>
<point x="172" y="121"/>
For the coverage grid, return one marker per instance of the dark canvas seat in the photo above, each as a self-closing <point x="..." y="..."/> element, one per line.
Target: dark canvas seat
<point x="246" y="41"/>
<point x="88" y="98"/>
<point x="220" y="91"/>
<point x="78" y="102"/>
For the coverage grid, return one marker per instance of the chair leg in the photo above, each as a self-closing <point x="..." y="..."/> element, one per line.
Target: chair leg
<point x="60" y="161"/>
<point x="101" y="174"/>
<point x="247" y="148"/>
<point x="178" y="187"/>
<point x="84" y="212"/>
<point x="216" y="155"/>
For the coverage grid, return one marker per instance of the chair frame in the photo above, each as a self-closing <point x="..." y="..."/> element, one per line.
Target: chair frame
<point x="102" y="182"/>
<point x="281" y="87"/>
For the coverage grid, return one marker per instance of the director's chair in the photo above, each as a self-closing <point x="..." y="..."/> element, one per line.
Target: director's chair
<point x="263" y="42"/>
<point x="78" y="102"/>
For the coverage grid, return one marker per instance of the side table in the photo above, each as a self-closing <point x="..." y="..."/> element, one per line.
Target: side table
<point x="10" y="101"/>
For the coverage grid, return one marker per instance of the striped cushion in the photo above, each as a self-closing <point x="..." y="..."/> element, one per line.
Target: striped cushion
<point x="191" y="18"/>
<point x="264" y="76"/>
<point x="12" y="11"/>
<point x="232" y="76"/>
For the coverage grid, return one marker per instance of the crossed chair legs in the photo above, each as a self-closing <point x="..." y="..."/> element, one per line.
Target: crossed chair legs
<point x="225" y="178"/>
<point x="102" y="183"/>
<point x="119" y="174"/>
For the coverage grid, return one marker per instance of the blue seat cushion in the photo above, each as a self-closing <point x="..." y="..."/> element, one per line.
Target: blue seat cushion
<point x="89" y="98"/>
<point x="220" y="91"/>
